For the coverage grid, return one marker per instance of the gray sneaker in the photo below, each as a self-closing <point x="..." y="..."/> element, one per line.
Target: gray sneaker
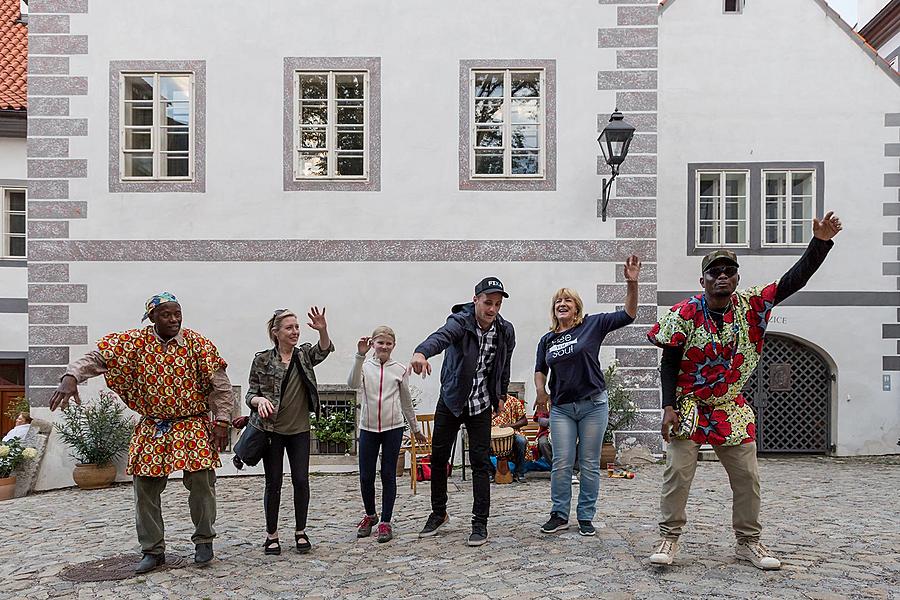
<point x="479" y="535"/>
<point x="431" y="525"/>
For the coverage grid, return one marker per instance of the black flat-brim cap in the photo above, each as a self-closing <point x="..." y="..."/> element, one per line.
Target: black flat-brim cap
<point x="490" y="285"/>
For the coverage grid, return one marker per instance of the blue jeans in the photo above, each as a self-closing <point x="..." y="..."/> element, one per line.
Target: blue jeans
<point x="582" y="423"/>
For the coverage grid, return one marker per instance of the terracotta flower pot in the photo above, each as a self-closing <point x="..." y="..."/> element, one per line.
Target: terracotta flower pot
<point x="607" y="455"/>
<point x="94" y="477"/>
<point x="7" y="487"/>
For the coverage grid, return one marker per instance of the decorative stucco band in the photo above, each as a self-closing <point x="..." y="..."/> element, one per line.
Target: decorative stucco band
<point x="51" y="169"/>
<point x="891" y="210"/>
<point x="341" y="250"/>
<point x="632" y="206"/>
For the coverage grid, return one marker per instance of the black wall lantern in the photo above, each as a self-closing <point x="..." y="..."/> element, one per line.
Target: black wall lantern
<point x="614" y="142"/>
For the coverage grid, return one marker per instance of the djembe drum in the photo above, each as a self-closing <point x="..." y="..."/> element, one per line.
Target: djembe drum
<point x="502" y="445"/>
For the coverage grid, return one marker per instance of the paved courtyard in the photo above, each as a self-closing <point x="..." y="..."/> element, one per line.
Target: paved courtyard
<point x="834" y="523"/>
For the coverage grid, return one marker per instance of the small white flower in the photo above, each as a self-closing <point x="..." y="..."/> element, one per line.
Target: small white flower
<point x="29" y="453"/>
<point x="4" y="450"/>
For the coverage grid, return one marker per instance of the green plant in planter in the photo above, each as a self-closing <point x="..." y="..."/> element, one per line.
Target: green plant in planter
<point x="98" y="432"/>
<point x="622" y="409"/>
<point x="12" y="454"/>
<point x="336" y="427"/>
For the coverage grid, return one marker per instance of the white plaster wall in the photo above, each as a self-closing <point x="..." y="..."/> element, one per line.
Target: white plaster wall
<point x="420" y="45"/>
<point x="773" y="91"/>
<point x="12" y="158"/>
<point x="13" y="332"/>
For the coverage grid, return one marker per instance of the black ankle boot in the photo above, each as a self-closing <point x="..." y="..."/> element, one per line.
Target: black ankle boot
<point x="149" y="562"/>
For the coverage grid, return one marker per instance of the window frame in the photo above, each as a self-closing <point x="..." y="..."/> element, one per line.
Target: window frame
<point x="197" y="183"/>
<point x="156" y="128"/>
<point x="290" y="124"/>
<point x="331" y="127"/>
<point x="5" y="212"/>
<point x="756" y="201"/>
<point x="789" y="221"/>
<point x="722" y="202"/>
<point x="468" y="181"/>
<point x="507" y="125"/>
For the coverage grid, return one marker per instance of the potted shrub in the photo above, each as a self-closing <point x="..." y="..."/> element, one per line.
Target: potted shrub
<point x="622" y="411"/>
<point x="333" y="432"/>
<point x="98" y="433"/>
<point x="12" y="454"/>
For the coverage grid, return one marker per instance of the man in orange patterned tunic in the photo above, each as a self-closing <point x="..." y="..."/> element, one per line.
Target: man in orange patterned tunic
<point x="173" y="378"/>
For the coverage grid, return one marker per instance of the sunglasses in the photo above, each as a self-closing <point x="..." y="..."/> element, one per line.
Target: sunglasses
<point x="715" y="272"/>
<point x="280" y="311"/>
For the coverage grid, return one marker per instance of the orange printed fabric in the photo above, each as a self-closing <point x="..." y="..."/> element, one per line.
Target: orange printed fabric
<point x="513" y="410"/>
<point x="169" y="387"/>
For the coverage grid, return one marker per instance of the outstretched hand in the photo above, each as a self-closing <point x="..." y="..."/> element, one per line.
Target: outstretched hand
<point x="363" y="345"/>
<point x="632" y="268"/>
<point x="316" y="318"/>
<point x="67" y="388"/>
<point x="419" y="365"/>
<point x="828" y="227"/>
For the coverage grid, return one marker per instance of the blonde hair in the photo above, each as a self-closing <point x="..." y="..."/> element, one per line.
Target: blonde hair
<point x="579" y="307"/>
<point x="274" y="324"/>
<point x="384" y="330"/>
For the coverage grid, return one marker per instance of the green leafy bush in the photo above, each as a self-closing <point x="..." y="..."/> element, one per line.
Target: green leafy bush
<point x="98" y="431"/>
<point x="622" y="409"/>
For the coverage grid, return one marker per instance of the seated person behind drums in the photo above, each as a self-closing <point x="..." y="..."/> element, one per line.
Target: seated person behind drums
<point x="513" y="415"/>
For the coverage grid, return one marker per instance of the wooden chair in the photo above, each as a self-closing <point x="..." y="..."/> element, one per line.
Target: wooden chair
<point x="417" y="449"/>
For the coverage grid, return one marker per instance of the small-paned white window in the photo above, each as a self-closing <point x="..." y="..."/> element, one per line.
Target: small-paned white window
<point x="733" y="6"/>
<point x="788" y="207"/>
<point x="12" y="221"/>
<point x="331" y="137"/>
<point x="508" y="123"/>
<point x="722" y="208"/>
<point x="156" y="137"/>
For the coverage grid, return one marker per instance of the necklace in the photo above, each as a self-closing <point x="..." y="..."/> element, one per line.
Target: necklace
<point x="735" y="329"/>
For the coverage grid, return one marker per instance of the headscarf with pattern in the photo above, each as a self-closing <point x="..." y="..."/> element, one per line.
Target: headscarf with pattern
<point x="156" y="300"/>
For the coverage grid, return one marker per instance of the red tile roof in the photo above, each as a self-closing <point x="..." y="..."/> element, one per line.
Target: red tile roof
<point x="13" y="58"/>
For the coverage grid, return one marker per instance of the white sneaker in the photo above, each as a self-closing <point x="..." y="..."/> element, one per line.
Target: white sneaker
<point x="574" y="480"/>
<point x="665" y="552"/>
<point x="758" y="554"/>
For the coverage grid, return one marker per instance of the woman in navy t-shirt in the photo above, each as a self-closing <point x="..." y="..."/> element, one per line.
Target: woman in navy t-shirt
<point x="570" y="353"/>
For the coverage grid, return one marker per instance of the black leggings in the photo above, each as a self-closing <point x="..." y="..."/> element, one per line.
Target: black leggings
<point x="297" y="447"/>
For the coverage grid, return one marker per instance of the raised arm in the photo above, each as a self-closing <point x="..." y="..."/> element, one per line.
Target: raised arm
<point x="798" y="275"/>
<point x="355" y="377"/>
<point x="632" y="272"/>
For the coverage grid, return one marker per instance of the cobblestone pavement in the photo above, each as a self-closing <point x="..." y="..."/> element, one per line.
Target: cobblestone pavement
<point x="834" y="523"/>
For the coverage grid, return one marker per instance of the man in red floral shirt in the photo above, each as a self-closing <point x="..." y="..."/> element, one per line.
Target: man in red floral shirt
<point x="711" y="345"/>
